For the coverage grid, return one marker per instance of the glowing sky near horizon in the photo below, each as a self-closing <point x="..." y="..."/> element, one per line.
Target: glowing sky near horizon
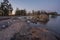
<point x="47" y="5"/>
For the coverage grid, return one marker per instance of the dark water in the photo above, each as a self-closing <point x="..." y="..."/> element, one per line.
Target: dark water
<point x="54" y="24"/>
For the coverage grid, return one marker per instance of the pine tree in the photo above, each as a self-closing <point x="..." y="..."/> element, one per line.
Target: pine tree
<point x="6" y="7"/>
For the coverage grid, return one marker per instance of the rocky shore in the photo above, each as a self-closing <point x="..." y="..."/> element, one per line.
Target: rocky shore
<point x="20" y="30"/>
<point x="31" y="33"/>
<point x="7" y="33"/>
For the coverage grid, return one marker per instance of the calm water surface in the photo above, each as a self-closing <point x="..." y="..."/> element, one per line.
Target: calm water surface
<point x="54" y="24"/>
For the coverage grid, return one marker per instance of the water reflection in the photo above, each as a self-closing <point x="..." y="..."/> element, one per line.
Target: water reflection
<point x="54" y="24"/>
<point x="53" y="16"/>
<point x="45" y="22"/>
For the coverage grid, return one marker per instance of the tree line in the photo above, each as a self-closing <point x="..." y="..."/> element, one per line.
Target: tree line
<point x="19" y="12"/>
<point x="6" y="9"/>
<point x="23" y="12"/>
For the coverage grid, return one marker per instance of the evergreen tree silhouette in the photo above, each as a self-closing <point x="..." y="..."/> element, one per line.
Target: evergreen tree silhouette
<point x="6" y="7"/>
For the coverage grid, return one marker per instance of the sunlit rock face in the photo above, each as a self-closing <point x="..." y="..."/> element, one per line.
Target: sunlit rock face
<point x="42" y="34"/>
<point x="43" y="17"/>
<point x="35" y="34"/>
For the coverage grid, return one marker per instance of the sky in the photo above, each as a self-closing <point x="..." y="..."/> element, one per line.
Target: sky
<point x="47" y="5"/>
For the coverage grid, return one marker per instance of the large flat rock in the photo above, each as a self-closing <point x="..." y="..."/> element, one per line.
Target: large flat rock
<point x="34" y="34"/>
<point x="7" y="33"/>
